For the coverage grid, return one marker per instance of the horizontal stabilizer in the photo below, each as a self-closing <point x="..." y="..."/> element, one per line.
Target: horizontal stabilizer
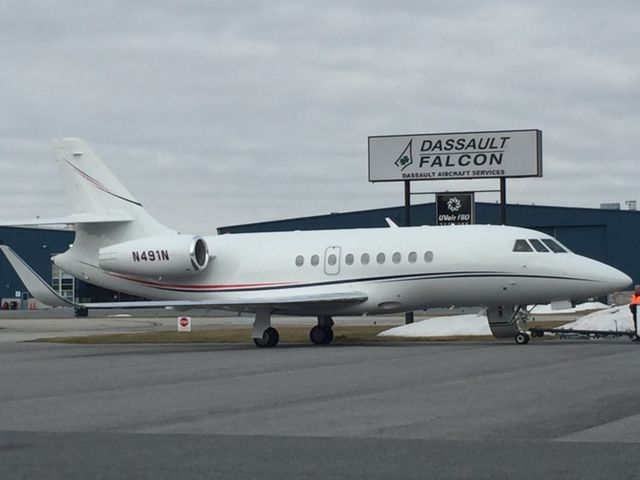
<point x="37" y="287"/>
<point x="109" y="217"/>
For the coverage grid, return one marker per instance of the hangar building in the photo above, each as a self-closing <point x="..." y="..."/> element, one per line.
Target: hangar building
<point x="36" y="246"/>
<point x="605" y="235"/>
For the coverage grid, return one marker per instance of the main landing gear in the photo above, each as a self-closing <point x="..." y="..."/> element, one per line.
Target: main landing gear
<point x="265" y="336"/>
<point x="269" y="338"/>
<point x="322" y="333"/>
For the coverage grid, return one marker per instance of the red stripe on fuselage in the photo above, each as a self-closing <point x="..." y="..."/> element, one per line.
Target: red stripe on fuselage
<point x="213" y="287"/>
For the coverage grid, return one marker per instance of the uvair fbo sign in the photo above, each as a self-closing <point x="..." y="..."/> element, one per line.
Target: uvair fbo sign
<point x="455" y="156"/>
<point x="455" y="208"/>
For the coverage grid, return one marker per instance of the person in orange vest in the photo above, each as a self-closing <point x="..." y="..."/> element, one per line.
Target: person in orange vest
<point x="635" y="301"/>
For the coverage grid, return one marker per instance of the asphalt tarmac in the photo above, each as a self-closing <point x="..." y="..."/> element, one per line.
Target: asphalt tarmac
<point x="550" y="409"/>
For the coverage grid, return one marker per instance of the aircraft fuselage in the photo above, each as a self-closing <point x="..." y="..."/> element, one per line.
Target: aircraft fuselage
<point x="399" y="269"/>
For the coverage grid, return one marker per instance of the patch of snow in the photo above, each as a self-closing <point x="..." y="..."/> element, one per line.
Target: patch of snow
<point x="617" y="318"/>
<point x="451" y="326"/>
<point x="583" y="307"/>
<point x="613" y="319"/>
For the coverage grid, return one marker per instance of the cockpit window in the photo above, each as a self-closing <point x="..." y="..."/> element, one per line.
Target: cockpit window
<point x="522" y="246"/>
<point x="553" y="245"/>
<point x="537" y="244"/>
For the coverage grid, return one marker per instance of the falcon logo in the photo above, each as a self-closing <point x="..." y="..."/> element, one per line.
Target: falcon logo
<point x="405" y="159"/>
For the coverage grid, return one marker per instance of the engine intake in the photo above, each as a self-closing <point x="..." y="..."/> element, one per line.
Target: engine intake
<point x="172" y="256"/>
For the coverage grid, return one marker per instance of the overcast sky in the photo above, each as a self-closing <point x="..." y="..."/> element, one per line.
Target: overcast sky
<point x="217" y="113"/>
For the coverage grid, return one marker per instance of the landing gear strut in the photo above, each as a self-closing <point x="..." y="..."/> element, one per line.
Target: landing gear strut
<point x="322" y="334"/>
<point x="520" y="318"/>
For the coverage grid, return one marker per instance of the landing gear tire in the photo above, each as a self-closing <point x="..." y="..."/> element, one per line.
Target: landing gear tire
<point x="81" y="312"/>
<point x="269" y="338"/>
<point x="522" y="338"/>
<point x="321" y="335"/>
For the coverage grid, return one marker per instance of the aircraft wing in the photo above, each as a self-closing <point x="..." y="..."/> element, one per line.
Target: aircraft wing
<point x="248" y="304"/>
<point x="45" y="294"/>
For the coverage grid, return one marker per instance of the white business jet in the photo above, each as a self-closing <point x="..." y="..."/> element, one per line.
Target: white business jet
<point x="324" y="274"/>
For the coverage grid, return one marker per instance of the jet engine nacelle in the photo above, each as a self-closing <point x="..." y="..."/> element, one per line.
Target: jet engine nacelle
<point x="175" y="255"/>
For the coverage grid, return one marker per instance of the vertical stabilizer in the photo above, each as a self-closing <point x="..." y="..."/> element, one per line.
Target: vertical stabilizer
<point x="93" y="189"/>
<point x="91" y="186"/>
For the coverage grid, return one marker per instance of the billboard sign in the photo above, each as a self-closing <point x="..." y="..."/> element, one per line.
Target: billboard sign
<point x="455" y="209"/>
<point x="455" y="156"/>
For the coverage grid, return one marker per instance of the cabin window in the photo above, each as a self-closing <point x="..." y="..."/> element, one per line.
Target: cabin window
<point x="332" y="259"/>
<point x="349" y="259"/>
<point x="315" y="260"/>
<point x="412" y="257"/>
<point x="428" y="256"/>
<point x="380" y="258"/>
<point x="364" y="259"/>
<point x="299" y="260"/>
<point x="396" y="257"/>
<point x="537" y="244"/>
<point x="553" y="245"/>
<point x="522" y="246"/>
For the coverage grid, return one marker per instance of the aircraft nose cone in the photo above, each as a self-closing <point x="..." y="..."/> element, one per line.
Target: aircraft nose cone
<point x="615" y="279"/>
<point x="625" y="280"/>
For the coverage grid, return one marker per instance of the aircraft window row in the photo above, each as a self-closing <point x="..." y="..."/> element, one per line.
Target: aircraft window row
<point x="542" y="245"/>
<point x="365" y="258"/>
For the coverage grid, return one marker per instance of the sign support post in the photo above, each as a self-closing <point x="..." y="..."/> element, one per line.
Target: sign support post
<point x="408" y="317"/>
<point x="503" y="200"/>
<point x="407" y="203"/>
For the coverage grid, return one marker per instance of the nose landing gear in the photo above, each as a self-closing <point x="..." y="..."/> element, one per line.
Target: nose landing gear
<point x="522" y="338"/>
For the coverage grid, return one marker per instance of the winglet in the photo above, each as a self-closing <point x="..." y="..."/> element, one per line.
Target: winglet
<point x="40" y="290"/>
<point x="391" y="223"/>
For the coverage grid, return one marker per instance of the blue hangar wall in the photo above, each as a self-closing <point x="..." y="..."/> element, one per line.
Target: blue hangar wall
<point x="36" y="246"/>
<point x="605" y="235"/>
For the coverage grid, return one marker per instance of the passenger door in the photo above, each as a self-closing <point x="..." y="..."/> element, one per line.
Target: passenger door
<point x="332" y="260"/>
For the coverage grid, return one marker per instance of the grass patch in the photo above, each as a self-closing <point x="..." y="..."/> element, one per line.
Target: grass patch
<point x="288" y="335"/>
<point x="291" y="335"/>
<point x="345" y="334"/>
